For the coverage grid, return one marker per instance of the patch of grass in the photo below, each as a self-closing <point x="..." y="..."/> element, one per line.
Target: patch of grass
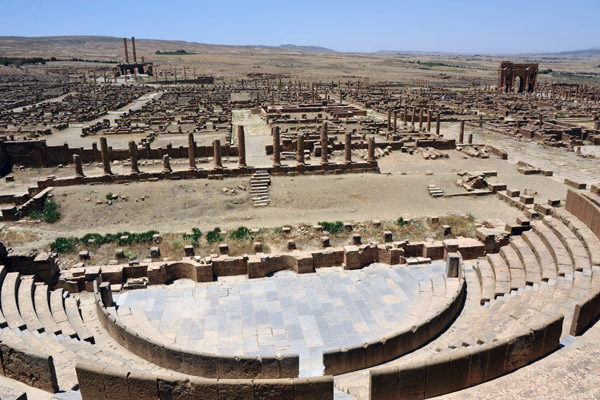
<point x="176" y="244"/>
<point x="130" y="255"/>
<point x="194" y="237"/>
<point x="64" y="244"/>
<point x="48" y="213"/>
<point x="241" y="233"/>
<point x="332" y="227"/>
<point x="215" y="236"/>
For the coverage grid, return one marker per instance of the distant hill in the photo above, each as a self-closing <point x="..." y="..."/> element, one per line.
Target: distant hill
<point x="593" y="52"/>
<point x="108" y="47"/>
<point x="307" y="49"/>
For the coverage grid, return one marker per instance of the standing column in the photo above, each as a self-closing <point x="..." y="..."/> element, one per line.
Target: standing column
<point x="470" y="138"/>
<point x="105" y="156"/>
<point x="437" y="124"/>
<point x="420" y="119"/>
<point x="395" y="122"/>
<point x="166" y="164"/>
<point x="192" y="151"/>
<point x="371" y="151"/>
<point x="78" y="166"/>
<point x="348" y="148"/>
<point x="461" y="134"/>
<point x="429" y="120"/>
<point x="324" y="142"/>
<point x="217" y="154"/>
<point x="133" y="157"/>
<point x="241" y="138"/>
<point x="405" y="116"/>
<point x="276" y="146"/>
<point x="300" y="149"/>
<point x="413" y="117"/>
<point x="389" y="120"/>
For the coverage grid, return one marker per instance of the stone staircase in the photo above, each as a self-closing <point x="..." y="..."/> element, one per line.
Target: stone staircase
<point x="259" y="188"/>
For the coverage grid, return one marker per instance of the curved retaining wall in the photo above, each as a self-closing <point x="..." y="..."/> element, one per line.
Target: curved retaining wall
<point x="192" y="362"/>
<point x="586" y="207"/>
<point x="340" y="361"/>
<point x="458" y="369"/>
<point x="32" y="368"/>
<point x="96" y="382"/>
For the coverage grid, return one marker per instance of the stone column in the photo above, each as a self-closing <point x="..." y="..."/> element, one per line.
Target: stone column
<point x="241" y="139"/>
<point x="420" y="119"/>
<point x="348" y="148"/>
<point x="105" y="156"/>
<point x="133" y="157"/>
<point x="371" y="151"/>
<point x="437" y="124"/>
<point x="166" y="164"/>
<point x="470" y="138"/>
<point x="412" y="119"/>
<point x="324" y="142"/>
<point x="276" y="147"/>
<point x="217" y="154"/>
<point x="192" y="151"/>
<point x="461" y="133"/>
<point x="300" y="149"/>
<point x="405" y="116"/>
<point x="395" y="122"/>
<point x="429" y="120"/>
<point x="389" y="120"/>
<point x="78" y="166"/>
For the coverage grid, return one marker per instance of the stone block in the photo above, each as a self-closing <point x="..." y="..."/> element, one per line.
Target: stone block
<point x="274" y="389"/>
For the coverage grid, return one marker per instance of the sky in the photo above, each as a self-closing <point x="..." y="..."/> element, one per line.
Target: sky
<point x="462" y="26"/>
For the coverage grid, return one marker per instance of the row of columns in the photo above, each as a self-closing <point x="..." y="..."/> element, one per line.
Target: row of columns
<point x="394" y="113"/>
<point x="218" y="162"/>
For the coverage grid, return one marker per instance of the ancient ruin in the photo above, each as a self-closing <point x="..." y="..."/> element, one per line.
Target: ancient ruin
<point x="178" y="228"/>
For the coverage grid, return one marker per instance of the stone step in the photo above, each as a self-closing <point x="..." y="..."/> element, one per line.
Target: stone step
<point x="42" y="309"/>
<point x="501" y="272"/>
<point x="528" y="260"/>
<point x="559" y="253"/>
<point x="10" y="307"/>
<point x="574" y="246"/>
<point x="487" y="280"/>
<point x="26" y="305"/>
<point x="75" y="320"/>
<point x="59" y="314"/>
<point x="517" y="273"/>
<point x="542" y="254"/>
<point x="583" y="233"/>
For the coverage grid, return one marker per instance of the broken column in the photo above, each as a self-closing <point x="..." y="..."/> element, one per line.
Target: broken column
<point x="324" y="142"/>
<point x="348" y="148"/>
<point x="395" y="122"/>
<point x="300" y="149"/>
<point x="105" y="156"/>
<point x="413" y="117"/>
<point x="78" y="166"/>
<point x="470" y="138"/>
<point x="166" y="164"/>
<point x="437" y="124"/>
<point x="452" y="265"/>
<point x="429" y="120"/>
<point x="241" y="142"/>
<point x="371" y="151"/>
<point x="133" y="157"/>
<point x="217" y="154"/>
<point x="192" y="151"/>
<point x="420" y="119"/>
<point x="461" y="133"/>
<point x="276" y="147"/>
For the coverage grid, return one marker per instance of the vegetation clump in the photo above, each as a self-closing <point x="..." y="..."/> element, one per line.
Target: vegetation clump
<point x="332" y="227"/>
<point x="215" y="236"/>
<point x="194" y="237"/>
<point x="48" y="213"/>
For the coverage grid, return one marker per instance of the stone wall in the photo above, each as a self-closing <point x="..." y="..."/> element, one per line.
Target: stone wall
<point x="97" y="382"/>
<point x="457" y="369"/>
<point x="27" y="366"/>
<point x="586" y="207"/>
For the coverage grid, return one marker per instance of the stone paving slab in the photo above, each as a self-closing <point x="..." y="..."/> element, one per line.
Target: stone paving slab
<point x="304" y="314"/>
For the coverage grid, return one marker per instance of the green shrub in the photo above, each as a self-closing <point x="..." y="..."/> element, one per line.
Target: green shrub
<point x="48" y="212"/>
<point x="400" y="221"/>
<point x="63" y="244"/>
<point x="332" y="227"/>
<point x="193" y="237"/>
<point x="215" y="236"/>
<point x="241" y="233"/>
<point x="109" y="196"/>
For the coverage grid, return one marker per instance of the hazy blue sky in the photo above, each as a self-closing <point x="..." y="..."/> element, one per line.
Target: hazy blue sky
<point x="457" y="26"/>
